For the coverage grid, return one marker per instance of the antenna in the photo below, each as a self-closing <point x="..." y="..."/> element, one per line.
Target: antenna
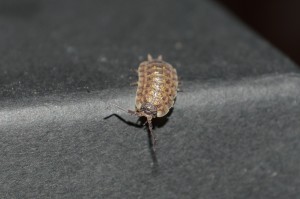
<point x="119" y="107"/>
<point x="153" y="138"/>
<point x="127" y="111"/>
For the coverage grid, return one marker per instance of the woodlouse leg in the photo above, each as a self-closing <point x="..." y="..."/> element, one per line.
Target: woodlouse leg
<point x="145" y="123"/>
<point x="179" y="84"/>
<point x="134" y="84"/>
<point x="134" y="70"/>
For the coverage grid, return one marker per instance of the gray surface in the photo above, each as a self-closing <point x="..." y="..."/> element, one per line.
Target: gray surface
<point x="234" y="132"/>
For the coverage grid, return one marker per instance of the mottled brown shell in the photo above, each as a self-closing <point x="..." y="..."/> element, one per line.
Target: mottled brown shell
<point x="157" y="85"/>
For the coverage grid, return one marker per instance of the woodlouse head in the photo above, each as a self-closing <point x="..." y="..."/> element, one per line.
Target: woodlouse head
<point x="149" y="110"/>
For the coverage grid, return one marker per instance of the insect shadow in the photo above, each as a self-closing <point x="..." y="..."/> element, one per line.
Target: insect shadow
<point x="142" y="123"/>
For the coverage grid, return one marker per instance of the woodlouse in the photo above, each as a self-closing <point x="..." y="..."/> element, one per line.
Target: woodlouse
<point x="156" y="91"/>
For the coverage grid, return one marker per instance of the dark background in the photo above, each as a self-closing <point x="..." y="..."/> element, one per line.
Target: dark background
<point x="276" y="20"/>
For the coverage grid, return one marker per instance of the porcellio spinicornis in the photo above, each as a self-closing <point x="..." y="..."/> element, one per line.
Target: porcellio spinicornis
<point x="156" y="91"/>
